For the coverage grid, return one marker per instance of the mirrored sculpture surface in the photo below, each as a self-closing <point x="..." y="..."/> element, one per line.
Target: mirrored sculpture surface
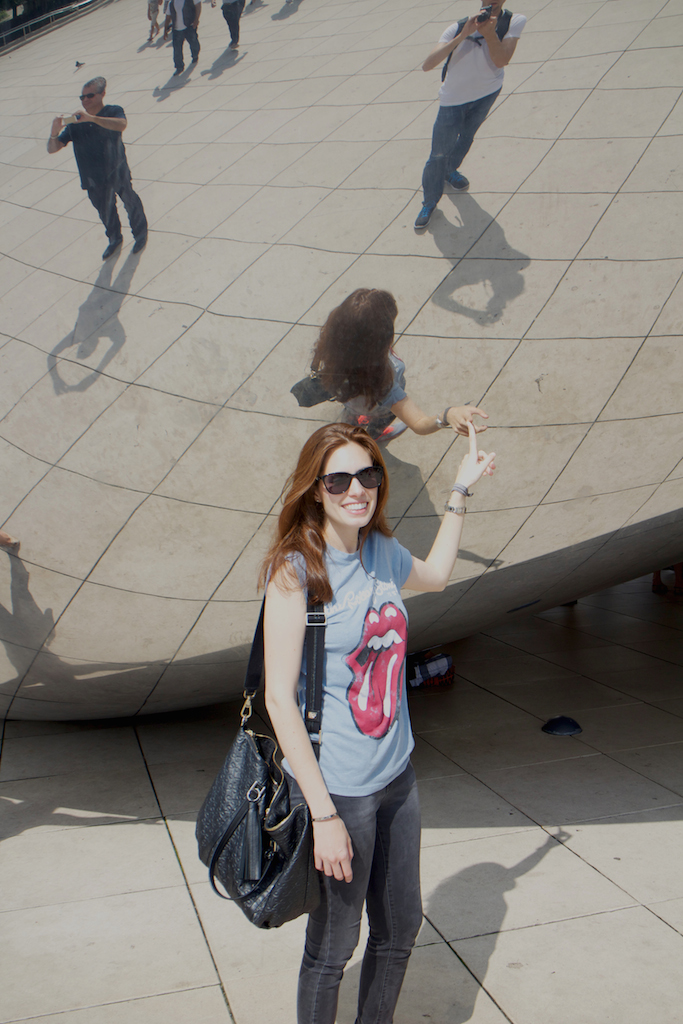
<point x="147" y="425"/>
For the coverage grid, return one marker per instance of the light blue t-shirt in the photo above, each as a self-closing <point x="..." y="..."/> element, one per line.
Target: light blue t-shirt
<point x="376" y="417"/>
<point x="366" y="731"/>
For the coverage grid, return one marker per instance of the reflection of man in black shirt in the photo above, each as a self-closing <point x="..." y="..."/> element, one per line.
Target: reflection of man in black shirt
<point x="102" y="165"/>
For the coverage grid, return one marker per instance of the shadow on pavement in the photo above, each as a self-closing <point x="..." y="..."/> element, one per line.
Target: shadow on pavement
<point x="500" y="274"/>
<point x="97" y="319"/>
<point x="225" y="60"/>
<point x="286" y="11"/>
<point x="486" y="883"/>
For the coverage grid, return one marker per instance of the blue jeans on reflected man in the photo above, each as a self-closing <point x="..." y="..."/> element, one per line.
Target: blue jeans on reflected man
<point x="453" y="134"/>
<point x="179" y="37"/>
<point x="385" y="832"/>
<point x="232" y="12"/>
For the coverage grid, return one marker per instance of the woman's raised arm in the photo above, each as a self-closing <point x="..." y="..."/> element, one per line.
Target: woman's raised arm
<point x="457" y="416"/>
<point x="434" y="572"/>
<point x="284" y="629"/>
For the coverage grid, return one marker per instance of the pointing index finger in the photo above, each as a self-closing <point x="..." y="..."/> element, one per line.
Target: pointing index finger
<point x="473" y="438"/>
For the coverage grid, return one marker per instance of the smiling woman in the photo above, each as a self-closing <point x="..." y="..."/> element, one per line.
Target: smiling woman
<point x="334" y="546"/>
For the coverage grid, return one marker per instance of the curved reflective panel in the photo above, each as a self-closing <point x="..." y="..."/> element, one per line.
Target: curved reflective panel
<point x="147" y="421"/>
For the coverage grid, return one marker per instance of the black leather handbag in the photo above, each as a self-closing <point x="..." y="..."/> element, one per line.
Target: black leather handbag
<point x="254" y="838"/>
<point x="309" y="391"/>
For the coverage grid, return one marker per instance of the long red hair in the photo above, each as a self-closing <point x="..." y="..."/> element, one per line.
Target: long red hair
<point x="302" y="520"/>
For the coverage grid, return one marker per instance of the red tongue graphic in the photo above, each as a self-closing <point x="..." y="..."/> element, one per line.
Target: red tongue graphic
<point x="377" y="666"/>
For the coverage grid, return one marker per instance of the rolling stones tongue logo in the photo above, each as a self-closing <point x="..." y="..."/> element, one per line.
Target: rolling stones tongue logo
<point x="377" y="666"/>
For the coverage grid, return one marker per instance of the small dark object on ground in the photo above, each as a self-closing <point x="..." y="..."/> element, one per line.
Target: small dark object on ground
<point x="561" y="725"/>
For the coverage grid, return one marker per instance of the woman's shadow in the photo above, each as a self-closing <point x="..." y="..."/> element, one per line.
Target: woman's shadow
<point x="499" y="273"/>
<point x="481" y="887"/>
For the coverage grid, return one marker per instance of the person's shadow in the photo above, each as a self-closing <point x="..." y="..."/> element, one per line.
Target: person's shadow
<point x="228" y="59"/>
<point x="97" y="320"/>
<point x="175" y="82"/>
<point x="154" y="44"/>
<point x="26" y="632"/>
<point x="286" y="11"/>
<point x="500" y="272"/>
<point x="25" y="628"/>
<point x="482" y="887"/>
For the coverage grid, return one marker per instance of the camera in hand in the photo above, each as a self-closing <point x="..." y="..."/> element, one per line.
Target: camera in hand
<point x="484" y="14"/>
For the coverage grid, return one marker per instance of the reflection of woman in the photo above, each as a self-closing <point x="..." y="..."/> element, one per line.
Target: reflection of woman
<point x="334" y="546"/>
<point x="357" y="365"/>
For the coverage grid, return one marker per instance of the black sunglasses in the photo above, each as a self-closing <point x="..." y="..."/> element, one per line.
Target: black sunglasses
<point x="87" y="96"/>
<point x="339" y="483"/>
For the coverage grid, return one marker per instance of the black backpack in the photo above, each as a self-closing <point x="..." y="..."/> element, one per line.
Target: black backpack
<point x="504" y="19"/>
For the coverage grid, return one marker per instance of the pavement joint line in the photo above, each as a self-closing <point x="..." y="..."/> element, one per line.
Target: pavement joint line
<point x="469" y="970"/>
<point x="186" y="882"/>
<point x="634" y="905"/>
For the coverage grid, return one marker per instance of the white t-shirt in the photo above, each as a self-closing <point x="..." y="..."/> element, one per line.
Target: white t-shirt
<point x="471" y="72"/>
<point x="175" y="9"/>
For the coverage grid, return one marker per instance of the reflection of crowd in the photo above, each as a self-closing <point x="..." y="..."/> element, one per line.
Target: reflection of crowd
<point x="182" y="19"/>
<point x="476" y="51"/>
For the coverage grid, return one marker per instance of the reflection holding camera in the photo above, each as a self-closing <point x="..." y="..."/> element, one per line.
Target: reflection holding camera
<point x="95" y="132"/>
<point x="474" y="53"/>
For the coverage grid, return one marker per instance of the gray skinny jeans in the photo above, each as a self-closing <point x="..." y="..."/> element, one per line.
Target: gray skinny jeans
<point x="385" y="832"/>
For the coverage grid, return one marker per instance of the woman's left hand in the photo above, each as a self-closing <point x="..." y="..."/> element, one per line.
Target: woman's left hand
<point x="460" y="418"/>
<point x="475" y="464"/>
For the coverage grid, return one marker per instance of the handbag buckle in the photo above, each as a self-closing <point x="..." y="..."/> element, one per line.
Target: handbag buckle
<point x="255" y="792"/>
<point x="316" y="619"/>
<point x="245" y="713"/>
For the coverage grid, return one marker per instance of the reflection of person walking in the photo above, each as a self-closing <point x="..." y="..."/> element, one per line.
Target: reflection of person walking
<point x="232" y="12"/>
<point x="183" y="17"/>
<point x="153" y="16"/>
<point x="476" y="51"/>
<point x="101" y="158"/>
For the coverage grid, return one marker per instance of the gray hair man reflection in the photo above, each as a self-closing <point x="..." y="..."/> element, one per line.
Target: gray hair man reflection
<point x="95" y="132"/>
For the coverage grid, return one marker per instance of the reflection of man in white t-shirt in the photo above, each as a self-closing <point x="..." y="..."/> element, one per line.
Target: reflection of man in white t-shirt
<point x="476" y="58"/>
<point x="182" y="16"/>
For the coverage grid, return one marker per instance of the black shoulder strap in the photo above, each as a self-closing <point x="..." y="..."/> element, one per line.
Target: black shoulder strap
<point x="502" y="25"/>
<point x="252" y="679"/>
<point x="444" y="70"/>
<point x="504" y="19"/>
<point x="315" y="656"/>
